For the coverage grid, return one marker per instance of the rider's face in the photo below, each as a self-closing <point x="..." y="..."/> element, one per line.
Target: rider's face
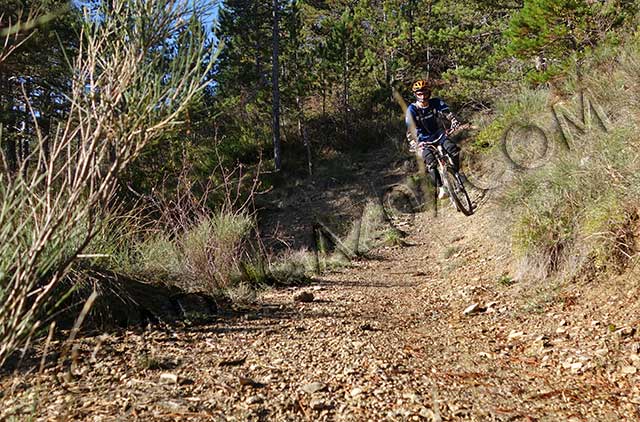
<point x="421" y="95"/>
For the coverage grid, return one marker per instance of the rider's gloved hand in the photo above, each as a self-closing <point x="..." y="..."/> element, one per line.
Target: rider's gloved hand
<point x="455" y="124"/>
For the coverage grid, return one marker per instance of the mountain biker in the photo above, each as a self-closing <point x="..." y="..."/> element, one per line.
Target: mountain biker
<point x="423" y="127"/>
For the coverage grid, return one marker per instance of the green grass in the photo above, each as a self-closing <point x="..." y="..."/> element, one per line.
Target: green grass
<point x="506" y="280"/>
<point x="393" y="237"/>
<point x="450" y="251"/>
<point x="581" y="207"/>
<point x="525" y="107"/>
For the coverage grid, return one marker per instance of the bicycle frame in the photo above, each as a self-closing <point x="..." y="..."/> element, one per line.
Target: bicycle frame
<point x="442" y="157"/>
<point x="450" y="178"/>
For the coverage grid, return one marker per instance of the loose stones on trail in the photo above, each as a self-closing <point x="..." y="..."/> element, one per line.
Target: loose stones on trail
<point x="314" y="387"/>
<point x="304" y="297"/>
<point x="473" y="309"/>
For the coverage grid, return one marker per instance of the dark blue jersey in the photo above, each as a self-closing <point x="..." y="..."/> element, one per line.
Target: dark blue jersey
<point x="423" y="123"/>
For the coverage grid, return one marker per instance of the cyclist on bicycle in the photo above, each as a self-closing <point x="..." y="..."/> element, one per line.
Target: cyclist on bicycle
<point x="423" y="127"/>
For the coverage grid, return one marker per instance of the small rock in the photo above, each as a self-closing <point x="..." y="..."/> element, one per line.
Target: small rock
<point x="168" y="378"/>
<point x="629" y="370"/>
<point x="174" y="406"/>
<point x="427" y="414"/>
<point x="356" y="392"/>
<point x="540" y="344"/>
<point x="515" y="335"/>
<point x="304" y="297"/>
<point x="248" y="382"/>
<point x="314" y="387"/>
<point x="576" y="367"/>
<point x="411" y="397"/>
<point x="357" y="345"/>
<point x="473" y="309"/>
<point x="625" y="332"/>
<point x="254" y="400"/>
<point x="319" y="404"/>
<point x="542" y="341"/>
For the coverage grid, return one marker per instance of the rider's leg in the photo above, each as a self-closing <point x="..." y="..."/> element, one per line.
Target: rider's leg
<point x="454" y="151"/>
<point x="430" y="163"/>
<point x="436" y="180"/>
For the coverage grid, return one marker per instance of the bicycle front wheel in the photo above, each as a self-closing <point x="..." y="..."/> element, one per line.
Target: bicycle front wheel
<point x="457" y="192"/>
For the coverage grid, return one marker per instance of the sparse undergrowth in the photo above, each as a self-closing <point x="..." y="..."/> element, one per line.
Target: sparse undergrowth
<point x="578" y="213"/>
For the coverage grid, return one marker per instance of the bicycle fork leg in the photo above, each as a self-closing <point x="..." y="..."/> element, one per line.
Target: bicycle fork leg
<point x="442" y="169"/>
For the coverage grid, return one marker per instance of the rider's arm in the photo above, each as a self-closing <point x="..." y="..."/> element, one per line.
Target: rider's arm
<point x="412" y="128"/>
<point x="443" y="108"/>
<point x="416" y="131"/>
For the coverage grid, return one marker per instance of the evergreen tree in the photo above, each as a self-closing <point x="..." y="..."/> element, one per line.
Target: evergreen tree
<point x="554" y="30"/>
<point x="36" y="74"/>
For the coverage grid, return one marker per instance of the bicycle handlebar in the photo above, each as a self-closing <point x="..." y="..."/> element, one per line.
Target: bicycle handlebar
<point x="415" y="145"/>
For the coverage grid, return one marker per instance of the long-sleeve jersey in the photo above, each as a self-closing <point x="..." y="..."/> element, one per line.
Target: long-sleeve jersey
<point x="422" y="122"/>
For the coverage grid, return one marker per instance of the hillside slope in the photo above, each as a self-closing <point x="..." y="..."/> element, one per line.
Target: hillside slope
<point x="385" y="339"/>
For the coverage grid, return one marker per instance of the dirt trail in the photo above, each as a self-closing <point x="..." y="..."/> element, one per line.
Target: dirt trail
<point x="386" y="339"/>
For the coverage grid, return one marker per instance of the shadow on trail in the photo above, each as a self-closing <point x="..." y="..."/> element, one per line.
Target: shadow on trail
<point x="335" y="196"/>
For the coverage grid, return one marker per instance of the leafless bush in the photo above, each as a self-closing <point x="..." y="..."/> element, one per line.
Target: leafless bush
<point x="14" y="33"/>
<point x="124" y="94"/>
<point x="199" y="243"/>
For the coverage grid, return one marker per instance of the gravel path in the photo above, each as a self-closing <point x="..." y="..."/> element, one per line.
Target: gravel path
<point x="386" y="339"/>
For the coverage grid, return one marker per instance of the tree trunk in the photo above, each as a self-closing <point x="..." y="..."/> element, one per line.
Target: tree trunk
<point x="411" y="7"/>
<point x="345" y="98"/>
<point x="324" y="98"/>
<point x="8" y="121"/>
<point x="302" y="132"/>
<point x="429" y="45"/>
<point x="276" y="89"/>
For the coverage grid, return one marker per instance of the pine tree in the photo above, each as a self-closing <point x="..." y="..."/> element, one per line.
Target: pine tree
<point x="558" y="29"/>
<point x="36" y="74"/>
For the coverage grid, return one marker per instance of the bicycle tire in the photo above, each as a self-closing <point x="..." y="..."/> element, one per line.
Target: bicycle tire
<point x="457" y="193"/>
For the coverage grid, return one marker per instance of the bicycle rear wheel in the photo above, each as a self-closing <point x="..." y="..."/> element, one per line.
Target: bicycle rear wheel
<point x="457" y="192"/>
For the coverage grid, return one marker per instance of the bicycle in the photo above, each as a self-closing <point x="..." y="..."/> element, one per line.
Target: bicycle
<point x="451" y="179"/>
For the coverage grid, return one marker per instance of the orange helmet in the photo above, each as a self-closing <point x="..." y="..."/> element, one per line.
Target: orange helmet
<point x="421" y="85"/>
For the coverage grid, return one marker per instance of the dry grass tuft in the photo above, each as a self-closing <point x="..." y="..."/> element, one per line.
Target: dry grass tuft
<point x="577" y="215"/>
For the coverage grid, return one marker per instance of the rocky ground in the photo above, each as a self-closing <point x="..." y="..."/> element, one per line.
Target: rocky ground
<point x="439" y="329"/>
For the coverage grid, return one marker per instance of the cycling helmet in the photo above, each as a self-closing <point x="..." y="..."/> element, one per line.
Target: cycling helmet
<point x="420" y="85"/>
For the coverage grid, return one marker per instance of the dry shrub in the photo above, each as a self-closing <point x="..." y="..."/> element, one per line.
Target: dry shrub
<point x="121" y="99"/>
<point x="203" y="255"/>
<point x="195" y="243"/>
<point x="213" y="249"/>
<point x="580" y="210"/>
